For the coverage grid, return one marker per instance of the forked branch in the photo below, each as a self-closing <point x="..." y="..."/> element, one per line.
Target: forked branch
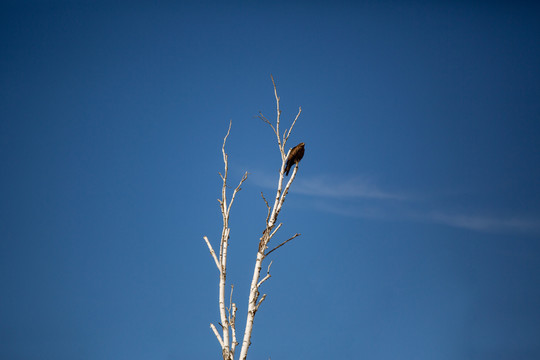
<point x="271" y="219"/>
<point x="227" y="336"/>
<point x="227" y="314"/>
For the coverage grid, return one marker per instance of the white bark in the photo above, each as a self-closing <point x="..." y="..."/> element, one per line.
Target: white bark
<point x="227" y="338"/>
<point x="227" y="315"/>
<point x="254" y="303"/>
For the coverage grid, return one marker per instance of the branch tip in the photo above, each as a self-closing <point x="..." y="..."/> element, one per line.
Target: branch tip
<point x="283" y="243"/>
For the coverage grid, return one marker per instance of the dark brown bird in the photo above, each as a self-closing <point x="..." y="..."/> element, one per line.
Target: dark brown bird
<point x="296" y="154"/>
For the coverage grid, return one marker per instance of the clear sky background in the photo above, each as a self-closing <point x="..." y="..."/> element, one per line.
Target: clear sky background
<point x="418" y="198"/>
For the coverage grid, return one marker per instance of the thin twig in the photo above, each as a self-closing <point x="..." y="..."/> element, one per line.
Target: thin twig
<point x="233" y="328"/>
<point x="283" y="243"/>
<point x="268" y="207"/>
<point x="226" y="136"/>
<point x="232" y="320"/>
<point x="230" y="300"/>
<point x="212" y="252"/>
<point x="278" y="111"/>
<point x="260" y="302"/>
<point x="223" y="201"/>
<point x="294" y="122"/>
<point x="268" y="276"/>
<point x="217" y="334"/>
<point x="238" y="188"/>
<point x="261" y="116"/>
<point x="275" y="230"/>
<point x="230" y="304"/>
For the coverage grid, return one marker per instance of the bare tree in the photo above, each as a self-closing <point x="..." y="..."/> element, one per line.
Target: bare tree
<point x="227" y="338"/>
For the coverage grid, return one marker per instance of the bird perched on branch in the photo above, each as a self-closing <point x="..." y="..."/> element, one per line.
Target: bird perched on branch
<point x="296" y="154"/>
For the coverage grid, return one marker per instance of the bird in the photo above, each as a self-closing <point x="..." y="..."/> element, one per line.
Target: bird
<point x="296" y="154"/>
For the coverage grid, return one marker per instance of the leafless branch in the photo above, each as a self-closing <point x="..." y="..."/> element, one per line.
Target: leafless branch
<point x="223" y="201"/>
<point x="275" y="230"/>
<point x="261" y="116"/>
<point x="232" y="321"/>
<point x="289" y="183"/>
<point x="233" y="328"/>
<point x="217" y="334"/>
<point x="268" y="276"/>
<point x="283" y="243"/>
<point x="285" y="138"/>
<point x="230" y="300"/>
<point x="278" y="119"/>
<point x="226" y="136"/>
<point x="260" y="302"/>
<point x="267" y="206"/>
<point x="227" y="314"/>
<point x="227" y="339"/>
<point x="212" y="253"/>
<point x="238" y="188"/>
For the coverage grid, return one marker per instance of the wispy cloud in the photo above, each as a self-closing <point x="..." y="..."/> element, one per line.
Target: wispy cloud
<point x="357" y="187"/>
<point x="360" y="197"/>
<point x="371" y="211"/>
<point x="334" y="187"/>
<point x="487" y="223"/>
<point x="482" y="223"/>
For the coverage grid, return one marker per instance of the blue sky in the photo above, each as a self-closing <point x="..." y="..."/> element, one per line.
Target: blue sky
<point x="418" y="198"/>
